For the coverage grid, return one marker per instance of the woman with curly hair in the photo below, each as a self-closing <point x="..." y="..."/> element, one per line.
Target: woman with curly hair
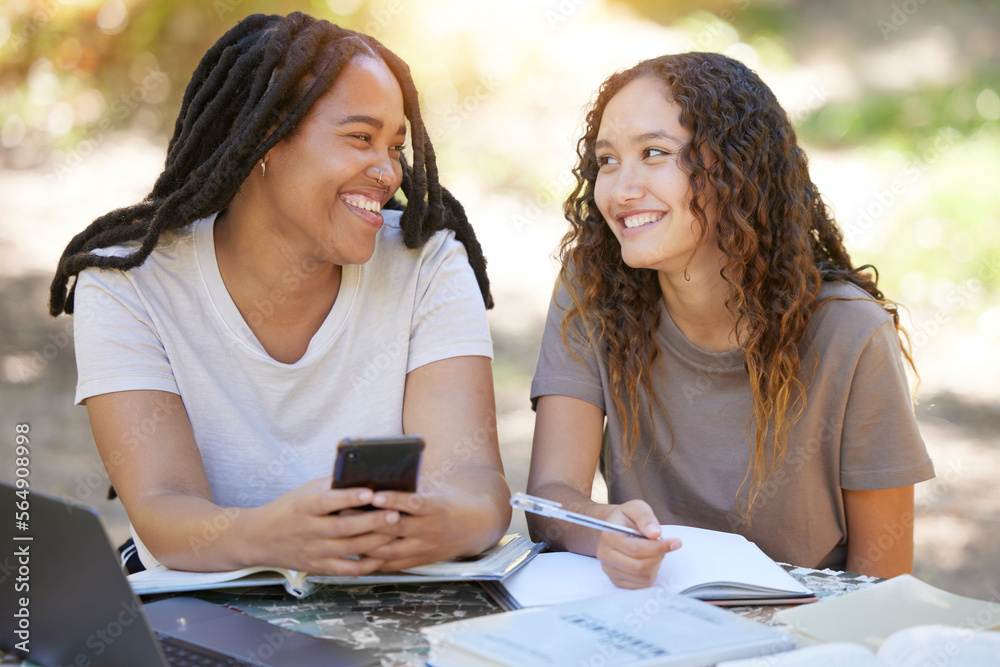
<point x="711" y="346"/>
<point x="268" y="298"/>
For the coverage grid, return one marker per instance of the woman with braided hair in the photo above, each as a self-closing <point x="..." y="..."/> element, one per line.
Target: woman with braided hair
<point x="711" y="346"/>
<point x="270" y="297"/>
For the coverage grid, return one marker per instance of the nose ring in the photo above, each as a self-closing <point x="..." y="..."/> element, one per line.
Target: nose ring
<point x="380" y="177"/>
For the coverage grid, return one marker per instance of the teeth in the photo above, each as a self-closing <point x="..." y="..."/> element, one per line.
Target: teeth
<point x="641" y="219"/>
<point x="364" y="202"/>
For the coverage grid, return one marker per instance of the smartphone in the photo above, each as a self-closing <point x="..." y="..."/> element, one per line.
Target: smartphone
<point x="380" y="464"/>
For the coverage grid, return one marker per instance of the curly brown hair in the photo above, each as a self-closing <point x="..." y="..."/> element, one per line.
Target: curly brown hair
<point x="778" y="237"/>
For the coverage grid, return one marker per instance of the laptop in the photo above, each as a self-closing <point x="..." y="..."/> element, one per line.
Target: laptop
<point x="64" y="600"/>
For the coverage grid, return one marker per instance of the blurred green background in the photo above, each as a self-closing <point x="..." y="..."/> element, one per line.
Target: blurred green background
<point x="897" y="104"/>
<point x="907" y="89"/>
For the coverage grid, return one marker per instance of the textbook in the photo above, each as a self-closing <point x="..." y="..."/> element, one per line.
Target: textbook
<point x="911" y="647"/>
<point x="724" y="568"/>
<point x="872" y="615"/>
<point x="498" y="562"/>
<point x="639" y="628"/>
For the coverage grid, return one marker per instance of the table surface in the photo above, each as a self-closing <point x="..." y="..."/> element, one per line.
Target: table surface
<point x="387" y="618"/>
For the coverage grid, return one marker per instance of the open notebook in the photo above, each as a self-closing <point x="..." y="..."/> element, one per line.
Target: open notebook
<point x="722" y="568"/>
<point x="512" y="552"/>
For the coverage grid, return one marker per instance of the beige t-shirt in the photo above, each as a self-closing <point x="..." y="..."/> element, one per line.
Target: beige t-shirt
<point x="858" y="430"/>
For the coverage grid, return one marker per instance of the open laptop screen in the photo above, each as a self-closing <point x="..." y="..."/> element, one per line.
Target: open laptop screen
<point x="63" y="587"/>
<point x="64" y="600"/>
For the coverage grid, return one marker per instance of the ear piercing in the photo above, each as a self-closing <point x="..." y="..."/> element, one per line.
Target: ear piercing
<point x="262" y="168"/>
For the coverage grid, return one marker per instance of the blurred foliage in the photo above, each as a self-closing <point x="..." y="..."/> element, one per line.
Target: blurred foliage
<point x="929" y="222"/>
<point x="73" y="72"/>
<point x="748" y="16"/>
<point x="943" y="244"/>
<point x="903" y="119"/>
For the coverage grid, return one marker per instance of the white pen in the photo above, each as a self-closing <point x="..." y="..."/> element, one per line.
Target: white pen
<point x="552" y="509"/>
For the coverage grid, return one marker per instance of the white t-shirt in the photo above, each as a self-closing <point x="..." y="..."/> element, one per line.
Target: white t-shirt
<point x="266" y="427"/>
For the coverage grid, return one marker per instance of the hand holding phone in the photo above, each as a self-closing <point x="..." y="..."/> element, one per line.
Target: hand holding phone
<point x="380" y="464"/>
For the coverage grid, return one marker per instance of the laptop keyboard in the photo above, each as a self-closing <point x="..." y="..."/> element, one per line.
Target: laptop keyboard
<point x="182" y="654"/>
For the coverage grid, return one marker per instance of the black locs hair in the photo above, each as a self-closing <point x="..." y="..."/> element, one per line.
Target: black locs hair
<point x="266" y="71"/>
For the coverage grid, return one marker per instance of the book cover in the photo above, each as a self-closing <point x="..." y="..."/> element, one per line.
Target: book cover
<point x="871" y="615"/>
<point x="916" y="646"/>
<point x="648" y="627"/>
<point x="724" y="568"/>
<point x="495" y="563"/>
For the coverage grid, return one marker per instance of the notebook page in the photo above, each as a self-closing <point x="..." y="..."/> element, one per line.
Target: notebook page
<point x="712" y="556"/>
<point x="707" y="556"/>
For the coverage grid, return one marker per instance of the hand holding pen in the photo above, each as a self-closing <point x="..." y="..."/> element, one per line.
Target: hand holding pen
<point x="554" y="510"/>
<point x="628" y="562"/>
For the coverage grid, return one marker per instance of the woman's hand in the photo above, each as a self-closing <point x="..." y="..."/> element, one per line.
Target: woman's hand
<point x="304" y="533"/>
<point x="462" y="504"/>
<point x="433" y="525"/>
<point x="162" y="483"/>
<point x="633" y="562"/>
<point x="564" y="458"/>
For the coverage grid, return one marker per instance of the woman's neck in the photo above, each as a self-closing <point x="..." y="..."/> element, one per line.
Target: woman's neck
<point x="256" y="262"/>
<point x="696" y="302"/>
<point x="283" y="296"/>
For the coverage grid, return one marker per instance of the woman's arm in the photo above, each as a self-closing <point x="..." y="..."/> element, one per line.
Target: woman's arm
<point x="880" y="531"/>
<point x="463" y="505"/>
<point x="564" y="457"/>
<point x="159" y="476"/>
<point x="881" y="446"/>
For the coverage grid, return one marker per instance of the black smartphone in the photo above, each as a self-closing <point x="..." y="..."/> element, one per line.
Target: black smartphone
<point x="380" y="464"/>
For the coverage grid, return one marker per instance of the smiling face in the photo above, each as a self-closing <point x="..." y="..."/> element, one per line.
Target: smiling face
<point x="641" y="188"/>
<point x="321" y="189"/>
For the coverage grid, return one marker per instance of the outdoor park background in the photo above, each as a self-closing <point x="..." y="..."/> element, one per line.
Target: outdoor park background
<point x="896" y="102"/>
